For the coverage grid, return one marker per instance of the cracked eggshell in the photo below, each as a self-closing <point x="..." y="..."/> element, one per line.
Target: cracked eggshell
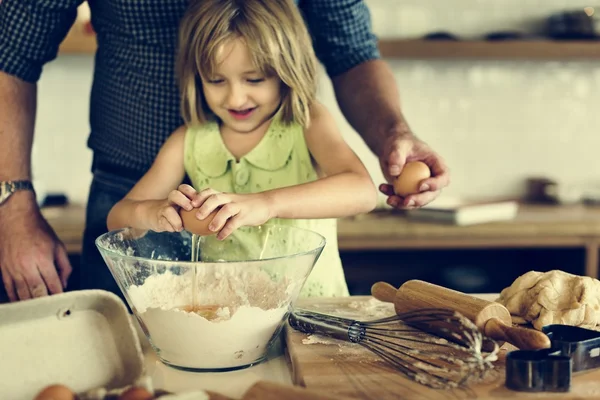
<point x="195" y="225"/>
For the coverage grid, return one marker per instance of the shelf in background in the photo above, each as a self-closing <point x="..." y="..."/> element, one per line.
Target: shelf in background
<point x="79" y="42"/>
<point x="505" y="50"/>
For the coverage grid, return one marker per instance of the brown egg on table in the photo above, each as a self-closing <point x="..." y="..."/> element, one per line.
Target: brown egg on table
<point x="136" y="393"/>
<point x="55" y="392"/>
<point x="410" y="178"/>
<point x="195" y="225"/>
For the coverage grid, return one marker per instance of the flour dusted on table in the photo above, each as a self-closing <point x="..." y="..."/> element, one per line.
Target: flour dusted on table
<point x="236" y="313"/>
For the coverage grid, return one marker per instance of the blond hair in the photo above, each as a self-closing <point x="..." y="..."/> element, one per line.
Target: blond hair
<point x="278" y="41"/>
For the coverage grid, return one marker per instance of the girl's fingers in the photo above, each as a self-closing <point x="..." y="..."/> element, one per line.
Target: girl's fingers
<point x="232" y="224"/>
<point x="187" y="190"/>
<point x="164" y="225"/>
<point x="211" y="203"/>
<point x="180" y="199"/>
<point x="173" y="219"/>
<point x="199" y="198"/>
<point x="223" y="216"/>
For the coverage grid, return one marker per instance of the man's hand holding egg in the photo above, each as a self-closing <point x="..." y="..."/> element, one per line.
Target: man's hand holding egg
<point x="403" y="150"/>
<point x="409" y="180"/>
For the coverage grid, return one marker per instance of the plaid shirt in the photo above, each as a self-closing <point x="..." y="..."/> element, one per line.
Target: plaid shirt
<point x="134" y="98"/>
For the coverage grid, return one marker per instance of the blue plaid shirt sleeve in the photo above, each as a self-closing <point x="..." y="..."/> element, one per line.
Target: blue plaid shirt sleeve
<point x="30" y="33"/>
<point x="341" y="32"/>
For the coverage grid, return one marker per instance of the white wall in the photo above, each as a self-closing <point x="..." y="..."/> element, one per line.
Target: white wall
<point x="495" y="123"/>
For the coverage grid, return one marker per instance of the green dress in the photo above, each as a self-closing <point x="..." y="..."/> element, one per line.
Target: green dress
<point x="280" y="159"/>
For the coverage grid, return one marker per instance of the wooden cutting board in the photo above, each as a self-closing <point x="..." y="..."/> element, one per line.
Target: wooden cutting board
<point x="350" y="371"/>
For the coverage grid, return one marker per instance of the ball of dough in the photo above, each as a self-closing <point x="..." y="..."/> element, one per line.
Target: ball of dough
<point x="554" y="297"/>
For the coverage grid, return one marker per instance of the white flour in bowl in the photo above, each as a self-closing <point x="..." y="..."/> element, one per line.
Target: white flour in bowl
<point x="238" y="311"/>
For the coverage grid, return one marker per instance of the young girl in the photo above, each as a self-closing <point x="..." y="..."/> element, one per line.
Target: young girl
<point x="256" y="145"/>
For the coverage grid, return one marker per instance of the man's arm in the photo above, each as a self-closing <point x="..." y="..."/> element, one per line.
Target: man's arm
<point x="371" y="88"/>
<point x="29" y="37"/>
<point x="367" y="94"/>
<point x="33" y="262"/>
<point x="17" y="116"/>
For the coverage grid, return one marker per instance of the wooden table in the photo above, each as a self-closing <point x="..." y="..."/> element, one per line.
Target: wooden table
<point x="534" y="226"/>
<point x="69" y="224"/>
<point x="350" y="371"/>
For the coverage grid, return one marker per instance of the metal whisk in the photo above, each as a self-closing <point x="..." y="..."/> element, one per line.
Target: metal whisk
<point x="435" y="347"/>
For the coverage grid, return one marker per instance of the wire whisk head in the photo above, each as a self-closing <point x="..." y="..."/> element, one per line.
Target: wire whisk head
<point x="438" y="348"/>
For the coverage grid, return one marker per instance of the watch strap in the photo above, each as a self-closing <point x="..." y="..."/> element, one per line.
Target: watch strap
<point x="9" y="187"/>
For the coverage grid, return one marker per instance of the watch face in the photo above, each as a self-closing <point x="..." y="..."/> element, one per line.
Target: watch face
<point x="8" y="188"/>
<point x="4" y="193"/>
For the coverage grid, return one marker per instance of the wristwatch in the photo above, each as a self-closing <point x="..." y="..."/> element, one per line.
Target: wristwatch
<point x="7" y="188"/>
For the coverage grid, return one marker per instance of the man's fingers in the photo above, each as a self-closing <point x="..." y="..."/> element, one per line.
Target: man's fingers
<point x="63" y="265"/>
<point x="9" y="286"/>
<point x="386" y="189"/>
<point x="440" y="175"/>
<point x="397" y="158"/>
<point x="42" y="280"/>
<point x="40" y="290"/>
<point x="21" y="288"/>
<point x="436" y="183"/>
<point x="419" y="200"/>
<point x="395" y="162"/>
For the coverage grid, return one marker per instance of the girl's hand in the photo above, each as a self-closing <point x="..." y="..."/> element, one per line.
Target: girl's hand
<point x="163" y="215"/>
<point x="235" y="210"/>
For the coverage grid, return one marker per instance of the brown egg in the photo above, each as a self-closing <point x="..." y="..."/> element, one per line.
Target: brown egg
<point x="55" y="392"/>
<point x="195" y="225"/>
<point x="410" y="178"/>
<point x="136" y="393"/>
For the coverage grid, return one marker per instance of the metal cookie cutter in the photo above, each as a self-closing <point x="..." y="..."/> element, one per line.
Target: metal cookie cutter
<point x="573" y="349"/>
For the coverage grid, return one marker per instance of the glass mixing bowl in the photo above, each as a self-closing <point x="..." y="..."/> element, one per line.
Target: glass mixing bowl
<point x="223" y="311"/>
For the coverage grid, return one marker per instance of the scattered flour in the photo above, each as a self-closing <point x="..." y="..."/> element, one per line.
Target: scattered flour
<point x="236" y="313"/>
<point x="318" y="339"/>
<point x="362" y="310"/>
<point x="372" y="308"/>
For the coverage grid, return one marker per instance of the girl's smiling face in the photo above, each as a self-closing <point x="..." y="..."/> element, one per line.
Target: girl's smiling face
<point x="239" y="94"/>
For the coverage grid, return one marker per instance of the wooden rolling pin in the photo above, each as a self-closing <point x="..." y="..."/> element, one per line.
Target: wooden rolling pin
<point x="492" y="319"/>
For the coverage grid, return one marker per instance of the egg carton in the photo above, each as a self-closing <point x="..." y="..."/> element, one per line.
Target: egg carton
<point x="85" y="340"/>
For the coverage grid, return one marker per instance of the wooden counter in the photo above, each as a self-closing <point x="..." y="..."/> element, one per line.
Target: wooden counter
<point x="69" y="223"/>
<point x="534" y="226"/>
